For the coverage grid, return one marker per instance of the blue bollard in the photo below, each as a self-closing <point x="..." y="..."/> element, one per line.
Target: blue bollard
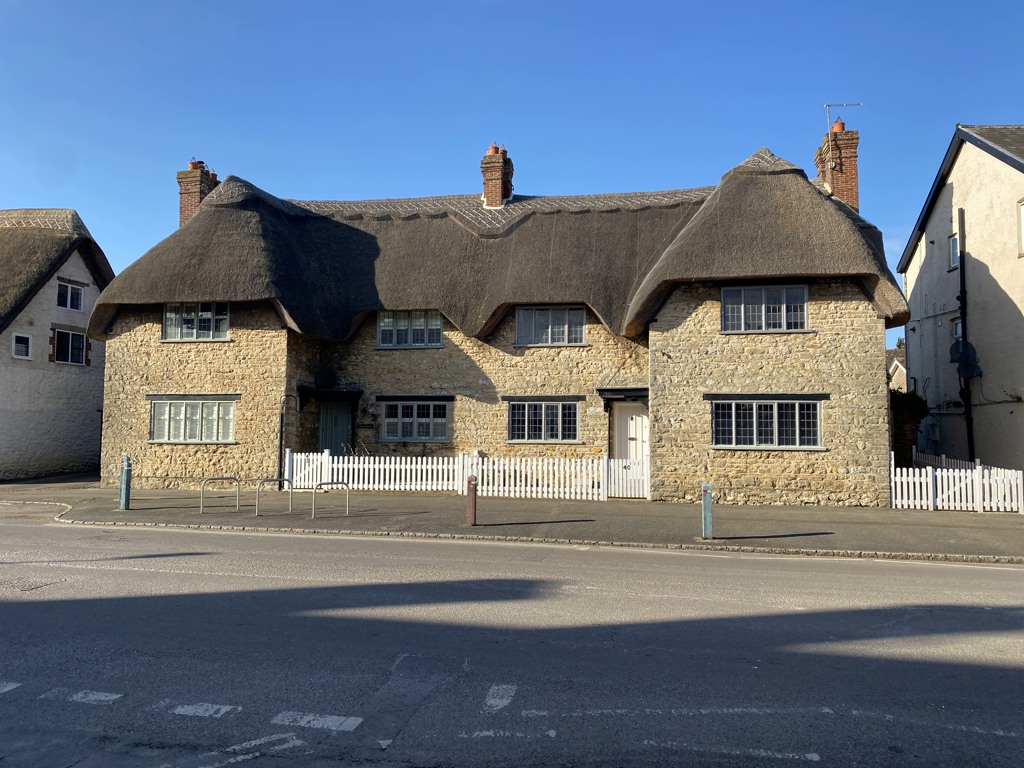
<point x="125" y="497"/>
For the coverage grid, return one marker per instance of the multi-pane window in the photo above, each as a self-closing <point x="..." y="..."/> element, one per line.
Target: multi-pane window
<point x="196" y="321"/>
<point x="544" y="421"/>
<point x="550" y="326"/>
<point x="954" y="251"/>
<point x="764" y="309"/>
<point x="415" y="421"/>
<point x="21" y="346"/>
<point x="768" y="424"/>
<point x="192" y="421"/>
<point x="69" y="296"/>
<point x="69" y="347"/>
<point x="418" y="328"/>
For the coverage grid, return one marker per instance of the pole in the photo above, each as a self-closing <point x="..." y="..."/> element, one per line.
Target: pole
<point x="965" y="388"/>
<point x="124" y="499"/>
<point x="471" y="500"/>
<point x="705" y="506"/>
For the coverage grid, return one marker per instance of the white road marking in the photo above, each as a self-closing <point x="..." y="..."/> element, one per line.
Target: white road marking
<point x="812" y="757"/>
<point x="204" y="710"/>
<point x="502" y="734"/>
<point x="329" y="722"/>
<point x="231" y="760"/>
<point x="697" y="712"/>
<point x="82" y="697"/>
<point x="499" y="697"/>
<point x="5" y="687"/>
<point x="946" y="726"/>
<point x="256" y="742"/>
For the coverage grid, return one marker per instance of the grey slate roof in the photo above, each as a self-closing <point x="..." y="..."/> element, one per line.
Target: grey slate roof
<point x="326" y="265"/>
<point x="1004" y="142"/>
<point x="34" y="244"/>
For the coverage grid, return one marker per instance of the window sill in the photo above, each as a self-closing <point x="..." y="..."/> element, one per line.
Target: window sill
<point x="65" y="362"/>
<point x="769" y="448"/>
<point x="196" y="341"/>
<point x="424" y="441"/>
<point x="766" y="333"/>
<point x="551" y="346"/>
<point x="409" y="346"/>
<point x="544" y="442"/>
<point x="190" y="442"/>
<point x="953" y="269"/>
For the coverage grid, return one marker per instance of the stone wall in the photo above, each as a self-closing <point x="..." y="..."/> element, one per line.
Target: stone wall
<point x="251" y="364"/>
<point x="50" y="411"/>
<point x="478" y="373"/>
<point x="843" y="356"/>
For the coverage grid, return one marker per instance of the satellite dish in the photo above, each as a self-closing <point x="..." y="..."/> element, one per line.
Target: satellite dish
<point x="966" y="356"/>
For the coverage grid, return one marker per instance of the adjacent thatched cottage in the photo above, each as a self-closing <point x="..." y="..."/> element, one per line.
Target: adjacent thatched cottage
<point x="51" y="374"/>
<point x="733" y="334"/>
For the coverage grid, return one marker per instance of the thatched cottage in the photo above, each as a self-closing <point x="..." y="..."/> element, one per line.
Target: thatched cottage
<point x="731" y="334"/>
<point x="51" y="374"/>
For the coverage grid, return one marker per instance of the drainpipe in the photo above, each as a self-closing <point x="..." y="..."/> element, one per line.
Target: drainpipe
<point x="965" y="384"/>
<point x="280" y="438"/>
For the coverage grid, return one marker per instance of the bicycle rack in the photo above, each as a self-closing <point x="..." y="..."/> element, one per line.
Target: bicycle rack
<point x="324" y="485"/>
<point x="238" y="490"/>
<point x="273" y="480"/>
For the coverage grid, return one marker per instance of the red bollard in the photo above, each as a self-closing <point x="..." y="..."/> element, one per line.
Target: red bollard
<point x="471" y="500"/>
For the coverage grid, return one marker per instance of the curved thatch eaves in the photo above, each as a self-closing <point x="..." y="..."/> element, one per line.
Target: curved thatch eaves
<point x="34" y="244"/>
<point x="767" y="221"/>
<point x="327" y="264"/>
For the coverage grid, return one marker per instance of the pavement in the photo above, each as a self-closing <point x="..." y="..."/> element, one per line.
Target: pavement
<point x="991" y="537"/>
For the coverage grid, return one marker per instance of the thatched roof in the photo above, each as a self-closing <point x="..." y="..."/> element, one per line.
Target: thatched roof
<point x="34" y="244"/>
<point x="326" y="264"/>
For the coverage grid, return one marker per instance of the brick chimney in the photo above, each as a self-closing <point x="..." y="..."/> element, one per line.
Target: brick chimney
<point x="194" y="184"/>
<point x="497" y="170"/>
<point x="836" y="160"/>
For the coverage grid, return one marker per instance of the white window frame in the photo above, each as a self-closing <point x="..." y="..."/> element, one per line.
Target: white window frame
<point x="551" y="326"/>
<point x="71" y="347"/>
<point x="196" y="321"/>
<point x="761" y="309"/>
<point x="195" y="420"/>
<point x="758" y="424"/>
<point x="71" y="292"/>
<point x="544" y="421"/>
<point x="956" y="326"/>
<point x="1020" y="228"/>
<point x="954" y="251"/>
<point x="410" y="329"/>
<point x="14" y="346"/>
<point x="415" y="421"/>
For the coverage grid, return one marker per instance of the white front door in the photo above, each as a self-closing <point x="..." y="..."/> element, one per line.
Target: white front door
<point x="628" y="463"/>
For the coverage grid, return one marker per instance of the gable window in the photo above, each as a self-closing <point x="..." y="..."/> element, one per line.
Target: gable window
<point x="69" y="296"/>
<point x="69" y="347"/>
<point x="197" y="321"/>
<point x="550" y="326"/>
<point x="766" y="421"/>
<point x="21" y="346"/>
<point x="415" y="420"/>
<point x="543" y="421"/>
<point x="771" y="309"/>
<point x="954" y="252"/>
<point x="192" y="418"/>
<point x="418" y="328"/>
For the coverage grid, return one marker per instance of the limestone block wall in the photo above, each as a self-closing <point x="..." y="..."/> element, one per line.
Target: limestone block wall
<point x="478" y="374"/>
<point x="252" y="363"/>
<point x="50" y="411"/>
<point x="843" y="356"/>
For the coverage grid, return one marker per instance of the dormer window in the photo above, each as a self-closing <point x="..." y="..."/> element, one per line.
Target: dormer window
<point x="200" y="321"/>
<point x="401" y="330"/>
<point x="550" y="326"/>
<point x="771" y="309"/>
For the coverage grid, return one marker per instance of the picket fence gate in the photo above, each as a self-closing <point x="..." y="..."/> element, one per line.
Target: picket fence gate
<point x="585" y="479"/>
<point x="976" y="488"/>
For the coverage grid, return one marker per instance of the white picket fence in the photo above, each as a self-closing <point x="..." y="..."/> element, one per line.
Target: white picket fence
<point x="921" y="459"/>
<point x="972" y="488"/>
<point x="507" y="476"/>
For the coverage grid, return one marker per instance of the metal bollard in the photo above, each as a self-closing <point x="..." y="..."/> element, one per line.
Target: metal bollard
<point x="124" y="500"/>
<point x="471" y="500"/>
<point x="705" y="505"/>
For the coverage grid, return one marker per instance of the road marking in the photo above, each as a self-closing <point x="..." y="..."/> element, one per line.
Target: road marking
<point x="502" y="734"/>
<point x="946" y="726"/>
<point x="696" y="712"/>
<point x="231" y="760"/>
<point x="812" y="757"/>
<point x="329" y="722"/>
<point x="5" y="687"/>
<point x="82" y="697"/>
<point x="204" y="710"/>
<point x="499" y="697"/>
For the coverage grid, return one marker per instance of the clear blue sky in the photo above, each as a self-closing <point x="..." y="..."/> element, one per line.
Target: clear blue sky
<point x="105" y="101"/>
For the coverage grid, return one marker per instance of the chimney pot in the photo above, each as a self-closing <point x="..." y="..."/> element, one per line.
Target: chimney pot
<point x="838" y="126"/>
<point x="493" y="149"/>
